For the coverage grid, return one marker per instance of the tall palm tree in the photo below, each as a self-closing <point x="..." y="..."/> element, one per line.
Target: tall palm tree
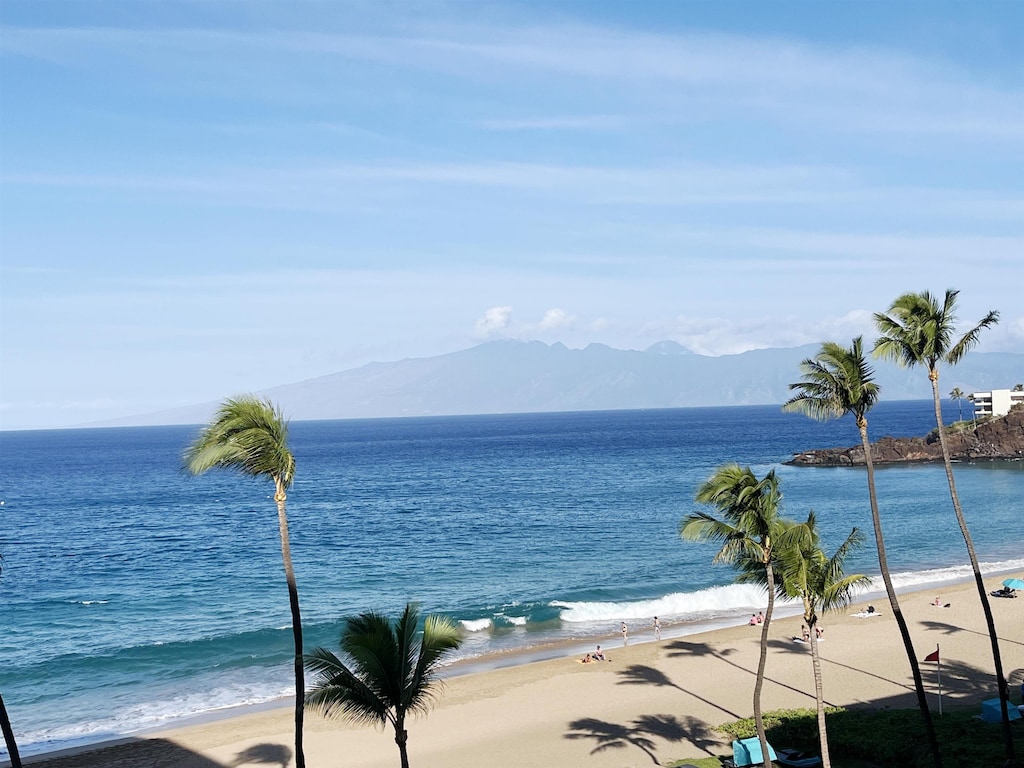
<point x="250" y="436"/>
<point x="5" y="723"/>
<point x="748" y="528"/>
<point x="918" y="331"/>
<point x="391" y="670"/>
<point x="838" y="381"/>
<point x="957" y="395"/>
<point x="820" y="583"/>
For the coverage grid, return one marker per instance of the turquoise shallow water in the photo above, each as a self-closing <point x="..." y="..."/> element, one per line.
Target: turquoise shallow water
<point x="134" y="595"/>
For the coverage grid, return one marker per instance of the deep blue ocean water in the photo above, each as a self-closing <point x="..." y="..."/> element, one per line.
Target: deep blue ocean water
<point x="133" y="595"/>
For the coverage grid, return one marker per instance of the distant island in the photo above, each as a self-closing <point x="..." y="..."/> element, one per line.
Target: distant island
<point x="999" y="439"/>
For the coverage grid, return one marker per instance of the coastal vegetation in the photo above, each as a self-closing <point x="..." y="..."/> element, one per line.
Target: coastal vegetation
<point x="957" y="396"/>
<point x="820" y="583"/>
<point x="250" y="435"/>
<point x="881" y="737"/>
<point x="389" y="670"/>
<point x="836" y="382"/>
<point x="919" y="332"/>
<point x="748" y="530"/>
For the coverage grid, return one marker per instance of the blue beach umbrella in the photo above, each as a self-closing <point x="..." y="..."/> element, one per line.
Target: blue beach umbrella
<point x="1014" y="583"/>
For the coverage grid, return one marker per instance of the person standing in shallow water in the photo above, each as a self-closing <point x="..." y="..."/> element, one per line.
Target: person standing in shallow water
<point x="625" y="638"/>
<point x="657" y="629"/>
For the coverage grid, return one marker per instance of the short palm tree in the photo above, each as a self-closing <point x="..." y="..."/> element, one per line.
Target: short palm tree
<point x="957" y="395"/>
<point x="838" y="381"/>
<point x="816" y="579"/>
<point x="5" y="725"/>
<point x="917" y="331"/>
<point x="389" y="672"/>
<point x="250" y="436"/>
<point x="748" y="528"/>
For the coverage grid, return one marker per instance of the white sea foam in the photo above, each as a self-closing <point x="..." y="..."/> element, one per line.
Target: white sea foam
<point x="475" y="625"/>
<point x="518" y="621"/>
<point x="951" y="574"/>
<point x="155" y="713"/>
<point x="679" y="605"/>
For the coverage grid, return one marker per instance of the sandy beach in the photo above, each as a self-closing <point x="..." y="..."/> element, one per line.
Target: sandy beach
<point x="652" y="702"/>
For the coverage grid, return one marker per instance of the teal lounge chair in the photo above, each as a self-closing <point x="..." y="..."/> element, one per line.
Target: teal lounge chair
<point x="748" y="752"/>
<point x="992" y="712"/>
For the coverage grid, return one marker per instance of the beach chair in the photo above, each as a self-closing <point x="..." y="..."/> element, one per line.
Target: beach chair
<point x="794" y="758"/>
<point x="748" y="752"/>
<point x="992" y="712"/>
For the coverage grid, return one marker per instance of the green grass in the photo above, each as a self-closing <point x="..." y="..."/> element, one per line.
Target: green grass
<point x="883" y="738"/>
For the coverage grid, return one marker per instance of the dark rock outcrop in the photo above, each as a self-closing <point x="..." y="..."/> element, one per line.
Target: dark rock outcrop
<point x="1000" y="439"/>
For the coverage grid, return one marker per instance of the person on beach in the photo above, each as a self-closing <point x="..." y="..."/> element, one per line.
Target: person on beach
<point x="753" y="620"/>
<point x="805" y="633"/>
<point x="937" y="601"/>
<point x="587" y="659"/>
<point x="657" y="628"/>
<point x="760" y="617"/>
<point x="625" y="638"/>
<point x="819" y="633"/>
<point x="599" y="654"/>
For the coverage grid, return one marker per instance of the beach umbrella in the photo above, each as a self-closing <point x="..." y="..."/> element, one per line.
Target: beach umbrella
<point x="1014" y="583"/>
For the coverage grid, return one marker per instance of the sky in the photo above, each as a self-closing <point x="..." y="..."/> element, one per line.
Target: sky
<point x="201" y="198"/>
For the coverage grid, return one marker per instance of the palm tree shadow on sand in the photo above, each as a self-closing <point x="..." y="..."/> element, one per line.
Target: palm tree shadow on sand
<point x="679" y="648"/>
<point x="952" y="629"/>
<point x="640" y="733"/>
<point x="263" y="754"/>
<point x="640" y="674"/>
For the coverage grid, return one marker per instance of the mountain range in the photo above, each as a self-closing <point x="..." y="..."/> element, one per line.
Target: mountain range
<point x="525" y="377"/>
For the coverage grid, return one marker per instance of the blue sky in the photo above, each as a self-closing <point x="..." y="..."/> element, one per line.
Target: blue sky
<point x="199" y="199"/>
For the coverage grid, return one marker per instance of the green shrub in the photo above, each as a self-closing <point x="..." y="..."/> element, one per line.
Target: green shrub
<point x="885" y="738"/>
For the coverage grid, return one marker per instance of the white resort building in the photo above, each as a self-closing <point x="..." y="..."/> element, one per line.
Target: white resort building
<point x="998" y="402"/>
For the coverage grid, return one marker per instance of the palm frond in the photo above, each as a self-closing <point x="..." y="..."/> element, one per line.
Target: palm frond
<point x="439" y="636"/>
<point x="248" y="435"/>
<point x="836" y="381"/>
<point x="389" y="668"/>
<point x="918" y="331"/>
<point x="970" y="339"/>
<point x="338" y="692"/>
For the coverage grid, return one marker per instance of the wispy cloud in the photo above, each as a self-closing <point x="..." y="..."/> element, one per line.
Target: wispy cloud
<point x="851" y="88"/>
<point x="558" y="123"/>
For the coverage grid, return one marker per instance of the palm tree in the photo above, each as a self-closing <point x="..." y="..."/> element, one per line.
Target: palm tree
<point x="958" y="395"/>
<point x="5" y="724"/>
<point x="918" y="331"/>
<point x="250" y="435"/>
<point x="388" y="674"/>
<point x="838" y="381"/>
<point x="1018" y="387"/>
<point x="819" y="582"/>
<point x="748" y="529"/>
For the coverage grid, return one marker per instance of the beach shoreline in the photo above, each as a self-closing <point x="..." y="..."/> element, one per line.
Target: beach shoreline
<point x="537" y="700"/>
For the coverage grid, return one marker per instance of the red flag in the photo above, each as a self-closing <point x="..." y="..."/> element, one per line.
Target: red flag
<point x="934" y="656"/>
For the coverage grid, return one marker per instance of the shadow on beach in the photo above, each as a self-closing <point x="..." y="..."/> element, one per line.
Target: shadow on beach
<point x="130" y="753"/>
<point x="158" y="753"/>
<point x="638" y="733"/>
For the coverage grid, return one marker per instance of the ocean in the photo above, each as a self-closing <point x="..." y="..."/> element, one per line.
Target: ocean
<point x="133" y="595"/>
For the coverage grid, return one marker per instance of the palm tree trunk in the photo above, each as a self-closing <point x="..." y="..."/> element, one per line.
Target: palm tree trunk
<point x="819" y="695"/>
<point x="759" y="682"/>
<point x="901" y="622"/>
<point x="293" y="600"/>
<point x="12" y="745"/>
<point x="402" y="740"/>
<point x="1004" y="690"/>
